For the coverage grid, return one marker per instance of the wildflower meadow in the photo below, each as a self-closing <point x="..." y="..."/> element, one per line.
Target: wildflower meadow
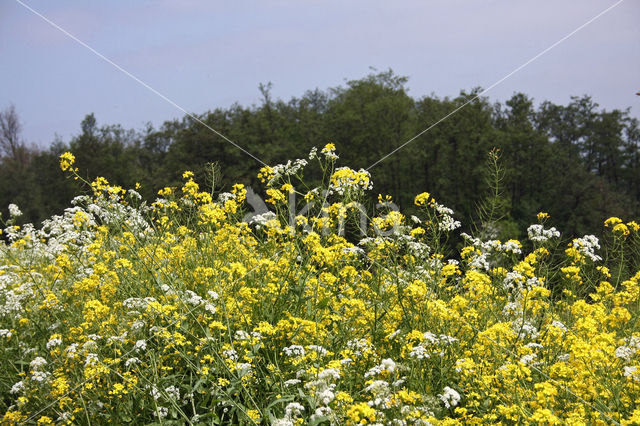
<point x="311" y="307"/>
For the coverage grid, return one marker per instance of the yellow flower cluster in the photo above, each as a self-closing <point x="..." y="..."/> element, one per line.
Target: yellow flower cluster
<point x="67" y="160"/>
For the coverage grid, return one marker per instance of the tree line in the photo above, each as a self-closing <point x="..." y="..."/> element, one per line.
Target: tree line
<point x="578" y="162"/>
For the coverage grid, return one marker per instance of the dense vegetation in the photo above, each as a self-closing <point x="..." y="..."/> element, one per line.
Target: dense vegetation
<point x="187" y="311"/>
<point x="577" y="161"/>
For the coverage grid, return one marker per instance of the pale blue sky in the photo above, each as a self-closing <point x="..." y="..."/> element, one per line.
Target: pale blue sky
<point x="208" y="54"/>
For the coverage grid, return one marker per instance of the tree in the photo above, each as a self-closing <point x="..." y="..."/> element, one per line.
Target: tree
<point x="11" y="145"/>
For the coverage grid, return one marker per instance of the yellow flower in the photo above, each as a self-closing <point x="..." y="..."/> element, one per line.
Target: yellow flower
<point x="612" y="221"/>
<point x="422" y="199"/>
<point x="633" y="225"/>
<point x="621" y="229"/>
<point x="254" y="415"/>
<point x="266" y="174"/>
<point x="66" y="161"/>
<point x="542" y="216"/>
<point x="361" y="413"/>
<point x="45" y="420"/>
<point x="287" y="187"/>
<point x="275" y="196"/>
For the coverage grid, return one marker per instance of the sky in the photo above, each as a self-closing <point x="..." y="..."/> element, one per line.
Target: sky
<point x="202" y="55"/>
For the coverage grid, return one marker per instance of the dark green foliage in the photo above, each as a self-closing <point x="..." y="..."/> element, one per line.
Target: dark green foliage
<point x="577" y="162"/>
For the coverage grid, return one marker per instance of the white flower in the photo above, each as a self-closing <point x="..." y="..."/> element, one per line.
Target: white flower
<point x="318" y="349"/>
<point x="230" y="353"/>
<point x="71" y="350"/>
<point x="625" y="352"/>
<point x="448" y="340"/>
<point x="449" y="397"/>
<point x="14" y="211"/>
<point x="587" y="246"/>
<point x="210" y="307"/>
<point x="627" y="372"/>
<point x="161" y="412"/>
<point x="17" y="387"/>
<point x="140" y="345"/>
<point x="293" y="409"/>
<point x="173" y="392"/>
<point x="321" y="412"/>
<point x="539" y="234"/>
<point x="131" y="361"/>
<point x="37" y="363"/>
<point x="154" y="392"/>
<point x="329" y="373"/>
<point x="388" y="364"/>
<point x="419" y="352"/>
<point x="54" y="342"/>
<point x="528" y="359"/>
<point x="294" y="350"/>
<point x="243" y="368"/>
<point x="40" y="376"/>
<point x="91" y="359"/>
<point x="313" y="153"/>
<point x="242" y="335"/>
<point x="193" y="298"/>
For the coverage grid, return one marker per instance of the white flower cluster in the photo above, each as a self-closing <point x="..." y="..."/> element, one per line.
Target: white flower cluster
<point x="631" y="372"/>
<point x="421" y="351"/>
<point x="137" y="303"/>
<point x="294" y="350"/>
<point x="489" y="248"/>
<point x="514" y="280"/>
<point x="529" y="359"/>
<point x="524" y="329"/>
<point x="161" y="412"/>
<point x="52" y="343"/>
<point x="17" y="387"/>
<point x="14" y="211"/>
<point x="381" y="394"/>
<point x="587" y="246"/>
<point x="386" y="365"/>
<point x="450" y="397"/>
<point x="262" y="219"/>
<point x="629" y="349"/>
<point x="292" y="411"/>
<point x="230" y="354"/>
<point x="37" y="374"/>
<point x="291" y="168"/>
<point x="322" y="387"/>
<point x="132" y="361"/>
<point x="173" y="392"/>
<point x="358" y="346"/>
<point x="15" y="294"/>
<point x="447" y="222"/>
<point x="538" y="234"/>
